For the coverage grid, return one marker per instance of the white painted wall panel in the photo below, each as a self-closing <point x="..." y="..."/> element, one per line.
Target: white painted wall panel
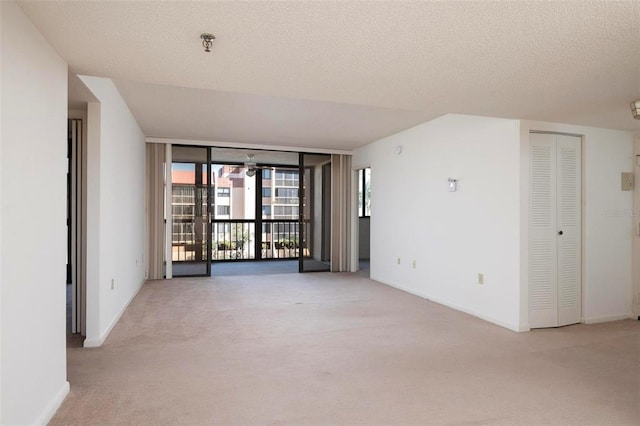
<point x="115" y="209"/>
<point x="33" y="215"/>
<point x="608" y="219"/>
<point x="482" y="227"/>
<point x="452" y="236"/>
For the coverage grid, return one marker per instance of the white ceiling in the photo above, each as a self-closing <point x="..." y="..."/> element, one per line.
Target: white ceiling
<point x="341" y="74"/>
<point x="186" y="113"/>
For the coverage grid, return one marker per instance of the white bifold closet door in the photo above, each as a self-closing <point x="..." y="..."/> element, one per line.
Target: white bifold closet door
<point x="555" y="230"/>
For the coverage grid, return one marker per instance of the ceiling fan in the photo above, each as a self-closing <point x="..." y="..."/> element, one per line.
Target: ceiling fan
<point x="252" y="166"/>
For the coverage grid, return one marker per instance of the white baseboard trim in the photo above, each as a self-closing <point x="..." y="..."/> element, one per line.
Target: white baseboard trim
<point x="512" y="327"/>
<point x="53" y="405"/>
<point x="608" y="318"/>
<point x="95" y="342"/>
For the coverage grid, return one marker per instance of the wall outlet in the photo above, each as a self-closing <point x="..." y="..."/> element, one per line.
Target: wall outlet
<point x="626" y="181"/>
<point x="414" y="264"/>
<point x="481" y="279"/>
<point x="113" y="283"/>
<point x="398" y="261"/>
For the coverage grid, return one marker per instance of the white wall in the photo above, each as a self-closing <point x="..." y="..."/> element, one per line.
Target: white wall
<point x="452" y="236"/>
<point x="115" y="208"/>
<point x="33" y="214"/>
<point x="483" y="228"/>
<point x="607" y="219"/>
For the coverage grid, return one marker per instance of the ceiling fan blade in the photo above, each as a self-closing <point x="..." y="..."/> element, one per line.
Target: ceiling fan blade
<point x="252" y="165"/>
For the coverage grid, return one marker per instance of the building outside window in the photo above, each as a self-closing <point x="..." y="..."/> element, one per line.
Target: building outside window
<point x="286" y="196"/>
<point x="279" y="198"/>
<point x="285" y="212"/>
<point x="287" y="178"/>
<point x="183" y="210"/>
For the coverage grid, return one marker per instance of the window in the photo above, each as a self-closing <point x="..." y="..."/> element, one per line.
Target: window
<point x="286" y="196"/>
<point x="285" y="212"/>
<point x="224" y="210"/>
<point x="266" y="212"/>
<point x="287" y="192"/>
<point x="287" y="178"/>
<point x="364" y="192"/>
<point x="224" y="192"/>
<point x="266" y="192"/>
<point x="182" y="210"/>
<point x="266" y="174"/>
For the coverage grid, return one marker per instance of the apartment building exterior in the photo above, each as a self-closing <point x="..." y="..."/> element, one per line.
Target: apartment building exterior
<point x="232" y="212"/>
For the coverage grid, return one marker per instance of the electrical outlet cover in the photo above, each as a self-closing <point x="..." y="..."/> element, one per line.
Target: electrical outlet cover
<point x="627" y="181"/>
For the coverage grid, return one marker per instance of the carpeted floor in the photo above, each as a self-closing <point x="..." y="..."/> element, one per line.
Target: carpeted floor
<point x="341" y="349"/>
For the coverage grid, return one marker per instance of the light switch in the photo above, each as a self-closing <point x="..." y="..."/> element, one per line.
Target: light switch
<point x="627" y="181"/>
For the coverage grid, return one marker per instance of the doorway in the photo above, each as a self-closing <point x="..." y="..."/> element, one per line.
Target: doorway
<point x="315" y="212"/>
<point x="555" y="230"/>
<point x="364" y="218"/>
<point x="190" y="211"/>
<point x="75" y="287"/>
<point x="242" y="205"/>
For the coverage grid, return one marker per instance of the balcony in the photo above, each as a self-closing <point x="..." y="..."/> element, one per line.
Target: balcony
<point x="236" y="240"/>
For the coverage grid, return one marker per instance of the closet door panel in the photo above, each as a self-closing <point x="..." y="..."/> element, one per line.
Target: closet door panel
<point x="569" y="229"/>
<point x="543" y="273"/>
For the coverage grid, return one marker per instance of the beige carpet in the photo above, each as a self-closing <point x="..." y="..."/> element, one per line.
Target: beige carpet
<point x="341" y="349"/>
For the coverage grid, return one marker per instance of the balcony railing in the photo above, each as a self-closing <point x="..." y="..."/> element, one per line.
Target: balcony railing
<point x="234" y="239"/>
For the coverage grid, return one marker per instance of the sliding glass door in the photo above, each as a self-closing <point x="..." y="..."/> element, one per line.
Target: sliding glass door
<point x="190" y="207"/>
<point x="271" y="206"/>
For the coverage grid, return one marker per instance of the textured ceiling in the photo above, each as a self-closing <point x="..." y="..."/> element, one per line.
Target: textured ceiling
<point x="575" y="62"/>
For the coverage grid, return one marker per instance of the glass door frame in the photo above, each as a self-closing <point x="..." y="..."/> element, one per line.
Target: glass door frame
<point x="210" y="197"/>
<point x="302" y="201"/>
<point x="206" y="215"/>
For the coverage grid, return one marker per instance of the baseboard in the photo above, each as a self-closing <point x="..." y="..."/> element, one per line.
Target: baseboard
<point x="95" y="342"/>
<point x="52" y="407"/>
<point x="608" y="318"/>
<point x="512" y="327"/>
<point x="92" y="342"/>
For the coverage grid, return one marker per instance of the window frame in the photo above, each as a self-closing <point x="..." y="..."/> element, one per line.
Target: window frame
<point x="223" y="192"/>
